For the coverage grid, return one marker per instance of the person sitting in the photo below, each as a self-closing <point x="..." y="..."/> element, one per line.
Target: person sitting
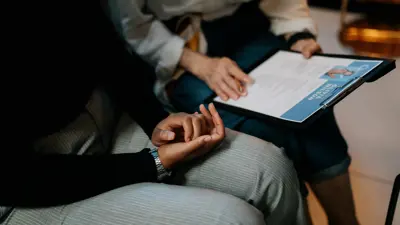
<point x="198" y="48"/>
<point x="62" y="128"/>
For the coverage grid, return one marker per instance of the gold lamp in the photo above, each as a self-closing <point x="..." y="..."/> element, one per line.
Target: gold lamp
<point x="371" y="36"/>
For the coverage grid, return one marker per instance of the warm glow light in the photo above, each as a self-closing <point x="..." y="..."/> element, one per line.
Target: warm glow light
<point x="372" y="35"/>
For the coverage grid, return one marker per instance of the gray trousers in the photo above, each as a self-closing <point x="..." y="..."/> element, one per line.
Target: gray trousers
<point x="244" y="181"/>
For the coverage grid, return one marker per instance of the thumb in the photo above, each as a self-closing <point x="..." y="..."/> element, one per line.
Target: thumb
<point x="310" y="49"/>
<point x="307" y="53"/>
<point x="163" y="136"/>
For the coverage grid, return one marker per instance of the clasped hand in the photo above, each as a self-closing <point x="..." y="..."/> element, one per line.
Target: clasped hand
<point x="183" y="136"/>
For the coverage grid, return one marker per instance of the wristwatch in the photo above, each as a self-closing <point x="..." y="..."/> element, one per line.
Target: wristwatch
<point x="162" y="172"/>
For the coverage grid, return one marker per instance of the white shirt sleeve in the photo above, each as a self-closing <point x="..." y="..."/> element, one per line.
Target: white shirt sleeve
<point x="150" y="38"/>
<point x="288" y="16"/>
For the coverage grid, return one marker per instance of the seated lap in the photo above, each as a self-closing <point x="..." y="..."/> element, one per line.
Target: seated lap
<point x="319" y="152"/>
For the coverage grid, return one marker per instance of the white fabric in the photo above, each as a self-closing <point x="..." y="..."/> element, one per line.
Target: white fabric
<point x="140" y="23"/>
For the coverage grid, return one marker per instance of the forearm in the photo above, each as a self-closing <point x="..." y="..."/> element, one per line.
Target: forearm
<point x="149" y="37"/>
<point x="135" y="96"/>
<point x="192" y="61"/>
<point x="46" y="180"/>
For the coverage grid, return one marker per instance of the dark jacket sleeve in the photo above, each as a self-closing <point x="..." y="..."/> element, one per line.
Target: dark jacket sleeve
<point x="34" y="180"/>
<point x="144" y="108"/>
<point x="30" y="179"/>
<point x="132" y="89"/>
<point x="130" y="81"/>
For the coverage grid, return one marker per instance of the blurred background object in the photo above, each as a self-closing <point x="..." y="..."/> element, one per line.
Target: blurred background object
<point x="393" y="209"/>
<point x="376" y="33"/>
<point x="368" y="119"/>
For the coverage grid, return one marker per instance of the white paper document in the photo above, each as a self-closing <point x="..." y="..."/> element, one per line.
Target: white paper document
<point x="289" y="87"/>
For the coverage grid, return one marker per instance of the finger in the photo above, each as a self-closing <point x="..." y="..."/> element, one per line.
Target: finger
<point x="241" y="87"/>
<point x="197" y="127"/>
<point x="180" y="137"/>
<point x="218" y="123"/>
<point x="306" y="52"/>
<point x="298" y="46"/>
<point x="316" y="48"/>
<point x="228" y="90"/>
<point x="234" y="84"/>
<point x="174" y="121"/>
<point x="309" y="50"/>
<point x="207" y="115"/>
<point x="204" y="127"/>
<point x="235" y="71"/>
<point x="221" y="94"/>
<point x="163" y="136"/>
<point x="167" y="135"/>
<point x="188" y="128"/>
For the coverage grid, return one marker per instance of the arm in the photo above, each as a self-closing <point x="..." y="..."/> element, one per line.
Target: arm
<point x="288" y="16"/>
<point x="34" y="180"/>
<point x="193" y="61"/>
<point x="149" y="37"/>
<point x="139" y="101"/>
<point x="135" y="96"/>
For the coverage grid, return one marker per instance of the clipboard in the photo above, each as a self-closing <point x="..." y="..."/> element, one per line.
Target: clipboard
<point x="376" y="73"/>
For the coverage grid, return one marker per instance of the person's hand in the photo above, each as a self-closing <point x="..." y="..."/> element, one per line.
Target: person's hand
<point x="172" y="153"/>
<point x="216" y="129"/>
<point x="307" y="47"/>
<point x="224" y="77"/>
<point x="179" y="127"/>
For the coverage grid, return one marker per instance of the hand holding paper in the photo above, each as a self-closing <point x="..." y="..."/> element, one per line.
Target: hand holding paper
<point x="289" y="87"/>
<point x="220" y="74"/>
<point x="307" y="47"/>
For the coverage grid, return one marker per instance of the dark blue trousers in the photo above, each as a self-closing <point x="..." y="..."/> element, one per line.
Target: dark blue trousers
<point x="319" y="152"/>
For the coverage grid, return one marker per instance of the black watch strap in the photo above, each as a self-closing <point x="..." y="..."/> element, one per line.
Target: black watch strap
<point x="300" y="36"/>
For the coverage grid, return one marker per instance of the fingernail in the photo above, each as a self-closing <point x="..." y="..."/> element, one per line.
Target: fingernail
<point x="250" y="83"/>
<point x="244" y="93"/>
<point x="170" y="135"/>
<point x="207" y="139"/>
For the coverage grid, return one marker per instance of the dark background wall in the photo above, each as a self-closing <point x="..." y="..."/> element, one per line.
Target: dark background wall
<point x="358" y="6"/>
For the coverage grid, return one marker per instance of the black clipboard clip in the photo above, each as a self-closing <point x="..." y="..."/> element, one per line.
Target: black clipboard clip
<point x="335" y="94"/>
